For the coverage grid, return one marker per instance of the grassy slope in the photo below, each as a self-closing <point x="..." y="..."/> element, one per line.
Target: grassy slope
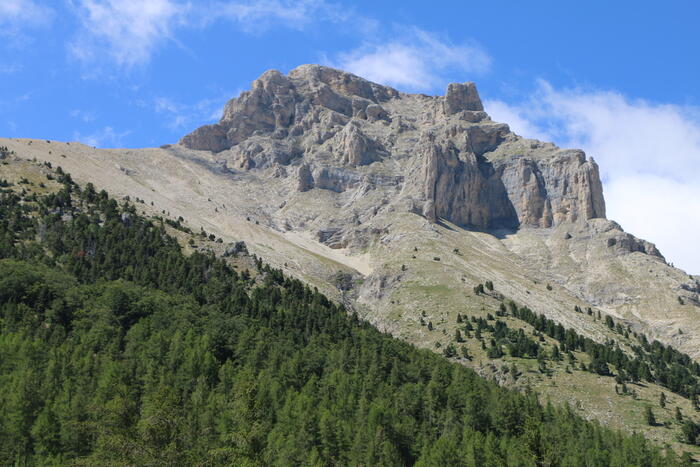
<point x="442" y="289"/>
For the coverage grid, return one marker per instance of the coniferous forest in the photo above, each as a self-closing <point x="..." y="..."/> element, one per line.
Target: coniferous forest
<point x="118" y="349"/>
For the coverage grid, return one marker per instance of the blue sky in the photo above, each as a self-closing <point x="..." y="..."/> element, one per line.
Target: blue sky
<point x="619" y="79"/>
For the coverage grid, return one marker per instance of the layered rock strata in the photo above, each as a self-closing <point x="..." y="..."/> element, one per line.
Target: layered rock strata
<point x="335" y="131"/>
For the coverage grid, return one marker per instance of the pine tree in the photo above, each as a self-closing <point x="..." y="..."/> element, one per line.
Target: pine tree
<point x="649" y="416"/>
<point x="556" y="355"/>
<point x="502" y="310"/>
<point x="495" y="351"/>
<point x="690" y="431"/>
<point x="450" y="350"/>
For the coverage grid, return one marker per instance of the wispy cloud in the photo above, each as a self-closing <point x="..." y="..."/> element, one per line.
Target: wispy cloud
<point x="417" y="60"/>
<point x="649" y="155"/>
<point x="16" y="17"/>
<point x="86" y="116"/>
<point x="15" y="12"/>
<point x="127" y="31"/>
<point x="181" y="116"/>
<point x="102" y="138"/>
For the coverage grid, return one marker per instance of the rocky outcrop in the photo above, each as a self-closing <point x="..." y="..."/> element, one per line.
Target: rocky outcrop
<point x="622" y="242"/>
<point x="461" y="97"/>
<point x="336" y="129"/>
<point x="563" y="188"/>
<point x="306" y="179"/>
<point x="209" y="138"/>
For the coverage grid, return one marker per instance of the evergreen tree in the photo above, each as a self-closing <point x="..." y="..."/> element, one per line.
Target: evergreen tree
<point x="649" y="416"/>
<point x="118" y="349"/>
<point x="690" y="431"/>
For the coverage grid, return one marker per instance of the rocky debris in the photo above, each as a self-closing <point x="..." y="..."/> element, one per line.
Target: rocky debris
<point x="336" y="129"/>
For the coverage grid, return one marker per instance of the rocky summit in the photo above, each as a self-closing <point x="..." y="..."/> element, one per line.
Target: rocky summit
<point x="442" y="157"/>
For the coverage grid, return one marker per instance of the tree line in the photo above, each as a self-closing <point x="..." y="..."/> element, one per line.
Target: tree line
<point x="117" y="349"/>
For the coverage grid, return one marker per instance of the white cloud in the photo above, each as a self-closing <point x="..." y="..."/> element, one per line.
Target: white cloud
<point x="16" y="18"/>
<point x="649" y="155"/>
<point x="516" y="118"/>
<point x="15" y="12"/>
<point x="126" y="30"/>
<point x="416" y="61"/>
<point x="129" y="32"/>
<point x="661" y="210"/>
<point x="105" y="137"/>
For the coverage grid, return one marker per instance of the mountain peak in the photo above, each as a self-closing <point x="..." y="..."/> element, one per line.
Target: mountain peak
<point x="328" y="129"/>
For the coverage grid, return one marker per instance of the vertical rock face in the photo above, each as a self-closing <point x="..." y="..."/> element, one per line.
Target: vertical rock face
<point x="443" y="155"/>
<point x="564" y="188"/>
<point x="463" y="188"/>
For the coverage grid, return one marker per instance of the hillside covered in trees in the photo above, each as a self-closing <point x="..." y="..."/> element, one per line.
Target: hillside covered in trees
<point x="118" y="349"/>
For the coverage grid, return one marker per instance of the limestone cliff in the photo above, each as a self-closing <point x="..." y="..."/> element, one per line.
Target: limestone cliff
<point x="336" y="131"/>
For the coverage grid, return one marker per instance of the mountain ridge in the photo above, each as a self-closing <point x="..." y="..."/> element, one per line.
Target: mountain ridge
<point x="319" y="204"/>
<point x="317" y="112"/>
<point x="400" y="214"/>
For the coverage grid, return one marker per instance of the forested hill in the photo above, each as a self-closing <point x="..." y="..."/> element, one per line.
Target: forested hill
<point x="118" y="349"/>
